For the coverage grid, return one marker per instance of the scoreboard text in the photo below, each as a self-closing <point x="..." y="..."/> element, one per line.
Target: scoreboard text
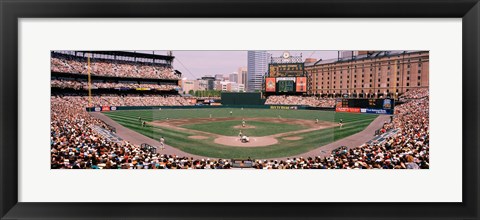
<point x="282" y="70"/>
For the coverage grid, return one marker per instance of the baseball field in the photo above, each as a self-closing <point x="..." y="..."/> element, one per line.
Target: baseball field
<point x="215" y="132"/>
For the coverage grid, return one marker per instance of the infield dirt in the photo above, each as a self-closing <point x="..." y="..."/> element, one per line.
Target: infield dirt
<point x="234" y="140"/>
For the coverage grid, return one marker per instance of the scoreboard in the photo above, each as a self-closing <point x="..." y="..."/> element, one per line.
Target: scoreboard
<point x="378" y="106"/>
<point x="286" y="85"/>
<point x="286" y="69"/>
<point x="366" y="103"/>
<point x="286" y="78"/>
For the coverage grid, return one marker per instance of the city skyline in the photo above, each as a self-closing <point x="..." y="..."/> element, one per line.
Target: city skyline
<point x="196" y="64"/>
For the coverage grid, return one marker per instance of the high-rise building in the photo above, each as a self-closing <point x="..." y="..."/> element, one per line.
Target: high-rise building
<point x="257" y="67"/>
<point x="200" y="84"/>
<point x="210" y="82"/>
<point x="188" y="85"/>
<point x="242" y="75"/>
<point x="219" y="77"/>
<point x="233" y="77"/>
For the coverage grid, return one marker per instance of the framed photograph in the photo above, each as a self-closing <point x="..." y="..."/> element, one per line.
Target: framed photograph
<point x="239" y="110"/>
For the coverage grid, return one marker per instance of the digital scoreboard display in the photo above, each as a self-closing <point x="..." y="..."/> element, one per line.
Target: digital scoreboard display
<point x="286" y="69"/>
<point x="282" y="85"/>
<point x="286" y="78"/>
<point x="367" y="103"/>
<point x="286" y="86"/>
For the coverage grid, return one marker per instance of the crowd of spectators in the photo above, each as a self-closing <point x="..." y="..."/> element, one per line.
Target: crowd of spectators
<point x="114" y="68"/>
<point x="83" y="85"/>
<point x="300" y="100"/>
<point x="408" y="149"/>
<point x="415" y="94"/>
<point x="75" y="145"/>
<point x="130" y="100"/>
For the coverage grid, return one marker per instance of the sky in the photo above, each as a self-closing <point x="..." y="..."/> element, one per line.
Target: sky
<point x="195" y="64"/>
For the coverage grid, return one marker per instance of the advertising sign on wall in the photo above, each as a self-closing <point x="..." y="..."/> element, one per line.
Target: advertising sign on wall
<point x="377" y="111"/>
<point x="346" y="109"/>
<point x="301" y="84"/>
<point x="270" y="85"/>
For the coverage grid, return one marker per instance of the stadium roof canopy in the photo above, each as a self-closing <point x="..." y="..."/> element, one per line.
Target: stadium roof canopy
<point x="373" y="55"/>
<point x="132" y="54"/>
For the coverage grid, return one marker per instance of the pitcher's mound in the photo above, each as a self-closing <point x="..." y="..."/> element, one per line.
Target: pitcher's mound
<point x="254" y="141"/>
<point x="294" y="138"/>
<point x="246" y="127"/>
<point x="198" y="137"/>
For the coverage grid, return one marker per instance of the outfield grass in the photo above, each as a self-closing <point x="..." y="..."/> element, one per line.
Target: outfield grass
<point x="353" y="123"/>
<point x="262" y="128"/>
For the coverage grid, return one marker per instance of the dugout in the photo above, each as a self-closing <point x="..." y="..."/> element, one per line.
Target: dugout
<point x="242" y="98"/>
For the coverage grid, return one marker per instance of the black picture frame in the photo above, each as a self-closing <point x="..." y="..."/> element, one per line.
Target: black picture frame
<point x="11" y="11"/>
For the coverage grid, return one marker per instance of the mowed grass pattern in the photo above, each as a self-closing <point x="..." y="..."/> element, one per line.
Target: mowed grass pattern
<point x="353" y="123"/>
<point x="262" y="128"/>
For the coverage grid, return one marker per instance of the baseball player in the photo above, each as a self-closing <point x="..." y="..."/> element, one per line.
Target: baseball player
<point x="231" y="112"/>
<point x="243" y="122"/>
<point x="341" y="123"/>
<point x="162" y="143"/>
<point x="143" y="124"/>
<point x="316" y="120"/>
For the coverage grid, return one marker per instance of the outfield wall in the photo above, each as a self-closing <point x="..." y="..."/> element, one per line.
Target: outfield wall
<point x="242" y="98"/>
<point x="284" y="107"/>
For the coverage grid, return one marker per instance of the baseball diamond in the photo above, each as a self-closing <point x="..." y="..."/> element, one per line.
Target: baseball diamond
<point x="193" y="122"/>
<point x="136" y="110"/>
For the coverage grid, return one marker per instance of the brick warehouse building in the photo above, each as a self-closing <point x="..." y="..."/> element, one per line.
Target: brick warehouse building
<point x="369" y="74"/>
